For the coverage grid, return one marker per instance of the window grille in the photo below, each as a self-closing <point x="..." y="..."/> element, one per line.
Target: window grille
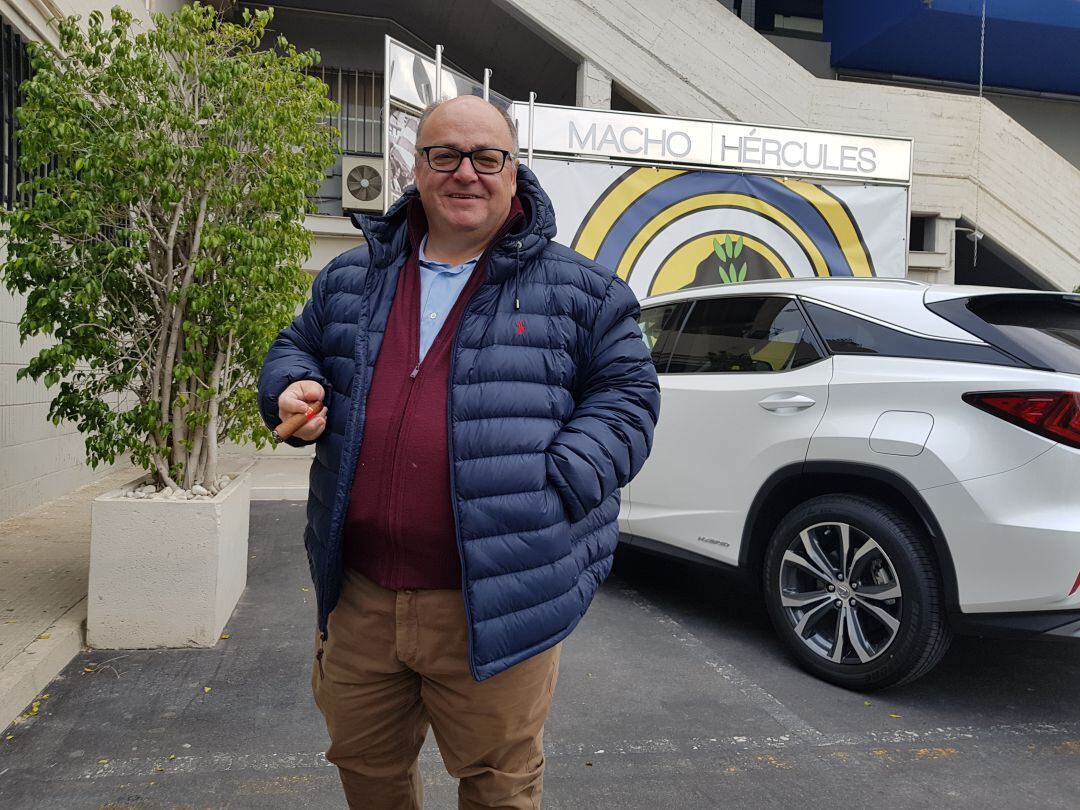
<point x="360" y="96"/>
<point x="14" y="69"/>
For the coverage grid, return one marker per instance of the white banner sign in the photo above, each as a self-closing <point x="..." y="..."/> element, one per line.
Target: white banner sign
<point x="412" y="79"/>
<point x="660" y="139"/>
<point x="663" y="229"/>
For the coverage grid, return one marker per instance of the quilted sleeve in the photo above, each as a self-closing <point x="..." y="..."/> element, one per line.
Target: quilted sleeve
<point x="610" y="433"/>
<point x="296" y="354"/>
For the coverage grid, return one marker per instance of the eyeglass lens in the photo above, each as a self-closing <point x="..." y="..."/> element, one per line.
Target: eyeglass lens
<point x="447" y="159"/>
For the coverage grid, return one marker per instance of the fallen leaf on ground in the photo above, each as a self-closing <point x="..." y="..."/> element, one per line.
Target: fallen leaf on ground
<point x="206" y="689"/>
<point x="897" y="716"/>
<point x="225" y="635"/>
<point x="305" y="590"/>
<point x="102" y="761"/>
<point x="44" y="637"/>
<point x="88" y="669"/>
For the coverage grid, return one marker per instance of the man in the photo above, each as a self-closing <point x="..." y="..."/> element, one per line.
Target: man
<point x="487" y="393"/>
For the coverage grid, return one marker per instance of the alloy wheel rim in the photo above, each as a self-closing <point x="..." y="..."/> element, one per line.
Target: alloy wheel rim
<point x="840" y="593"/>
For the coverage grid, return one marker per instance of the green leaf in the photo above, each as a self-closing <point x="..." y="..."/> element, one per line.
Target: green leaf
<point x="728" y="247"/>
<point x="723" y="274"/>
<point x="718" y="249"/>
<point x="738" y="248"/>
<point x="742" y="272"/>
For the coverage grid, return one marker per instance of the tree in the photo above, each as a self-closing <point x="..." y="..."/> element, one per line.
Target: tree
<point x="163" y="235"/>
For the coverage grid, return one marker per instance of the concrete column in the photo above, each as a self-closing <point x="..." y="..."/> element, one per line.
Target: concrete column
<point x="593" y="86"/>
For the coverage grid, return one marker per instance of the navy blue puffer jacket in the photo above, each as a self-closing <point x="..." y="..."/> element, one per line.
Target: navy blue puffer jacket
<point x="544" y="426"/>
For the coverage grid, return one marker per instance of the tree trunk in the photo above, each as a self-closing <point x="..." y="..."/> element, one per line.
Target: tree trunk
<point x="212" y="416"/>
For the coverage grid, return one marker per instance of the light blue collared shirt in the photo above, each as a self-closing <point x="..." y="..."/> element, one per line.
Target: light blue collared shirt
<point x="440" y="286"/>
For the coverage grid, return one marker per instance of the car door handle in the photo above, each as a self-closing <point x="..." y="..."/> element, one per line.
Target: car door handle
<point x="787" y="402"/>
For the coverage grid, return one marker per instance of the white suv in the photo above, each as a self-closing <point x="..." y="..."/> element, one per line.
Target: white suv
<point x="892" y="461"/>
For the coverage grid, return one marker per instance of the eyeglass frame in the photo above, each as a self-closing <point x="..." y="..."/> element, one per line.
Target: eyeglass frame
<point x="462" y="154"/>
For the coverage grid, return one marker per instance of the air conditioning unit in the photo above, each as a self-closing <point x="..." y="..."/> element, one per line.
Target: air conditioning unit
<point x="362" y="183"/>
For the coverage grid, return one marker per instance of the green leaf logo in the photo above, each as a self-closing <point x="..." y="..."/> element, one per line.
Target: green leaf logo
<point x="726" y="252"/>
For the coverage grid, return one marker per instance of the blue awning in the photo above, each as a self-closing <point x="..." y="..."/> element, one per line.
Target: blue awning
<point x="1029" y="45"/>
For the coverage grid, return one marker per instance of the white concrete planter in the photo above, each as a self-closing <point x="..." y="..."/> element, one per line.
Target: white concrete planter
<point x="166" y="573"/>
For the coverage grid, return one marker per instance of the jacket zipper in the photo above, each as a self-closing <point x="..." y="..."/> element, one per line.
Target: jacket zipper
<point x="453" y="473"/>
<point x="453" y="483"/>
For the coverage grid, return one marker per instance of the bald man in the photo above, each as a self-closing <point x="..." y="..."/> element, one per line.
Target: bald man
<point x="486" y="394"/>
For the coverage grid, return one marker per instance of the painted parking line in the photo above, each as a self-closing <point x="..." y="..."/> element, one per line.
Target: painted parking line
<point x="758" y="697"/>
<point x="927" y="739"/>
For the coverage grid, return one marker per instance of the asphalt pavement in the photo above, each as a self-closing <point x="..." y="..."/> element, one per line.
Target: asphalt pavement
<point x="673" y="693"/>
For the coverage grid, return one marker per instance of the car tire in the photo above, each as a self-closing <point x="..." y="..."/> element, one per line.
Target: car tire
<point x="853" y="568"/>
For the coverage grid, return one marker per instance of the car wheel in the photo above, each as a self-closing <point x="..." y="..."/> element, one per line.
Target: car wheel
<point x="853" y="591"/>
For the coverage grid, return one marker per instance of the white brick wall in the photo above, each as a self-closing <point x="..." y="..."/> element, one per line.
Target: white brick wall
<point x="693" y="58"/>
<point x="38" y="461"/>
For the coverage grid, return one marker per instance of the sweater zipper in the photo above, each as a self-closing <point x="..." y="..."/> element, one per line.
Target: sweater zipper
<point x="391" y="514"/>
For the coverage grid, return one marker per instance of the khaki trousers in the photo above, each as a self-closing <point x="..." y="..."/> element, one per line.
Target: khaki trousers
<point x="395" y="662"/>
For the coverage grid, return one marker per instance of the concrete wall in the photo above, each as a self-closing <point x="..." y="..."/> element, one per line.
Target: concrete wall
<point x="812" y="54"/>
<point x="1056" y="122"/>
<point x="1053" y="120"/>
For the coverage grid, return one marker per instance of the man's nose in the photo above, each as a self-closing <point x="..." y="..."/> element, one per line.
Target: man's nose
<point x="466" y="170"/>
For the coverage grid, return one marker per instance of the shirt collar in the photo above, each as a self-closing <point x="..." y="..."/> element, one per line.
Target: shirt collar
<point x="443" y="267"/>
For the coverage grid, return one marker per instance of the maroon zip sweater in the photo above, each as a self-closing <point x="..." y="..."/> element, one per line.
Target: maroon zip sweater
<point x="399" y="528"/>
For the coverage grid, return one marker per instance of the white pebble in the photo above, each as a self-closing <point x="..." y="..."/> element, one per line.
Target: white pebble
<point x="198" y="489"/>
<point x="149" y="488"/>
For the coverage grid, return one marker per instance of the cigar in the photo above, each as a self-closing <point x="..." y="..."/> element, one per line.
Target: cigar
<point x="297" y="421"/>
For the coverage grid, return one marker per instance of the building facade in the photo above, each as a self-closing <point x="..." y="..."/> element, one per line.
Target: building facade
<point x="999" y="167"/>
<point x="996" y="182"/>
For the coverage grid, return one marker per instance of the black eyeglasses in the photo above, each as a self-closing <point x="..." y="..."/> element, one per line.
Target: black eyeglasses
<point x="447" y="159"/>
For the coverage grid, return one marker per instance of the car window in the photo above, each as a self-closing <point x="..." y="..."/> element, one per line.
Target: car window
<point x="743" y="334"/>
<point x="845" y="333"/>
<point x="659" y="328"/>
<point x="1042" y="329"/>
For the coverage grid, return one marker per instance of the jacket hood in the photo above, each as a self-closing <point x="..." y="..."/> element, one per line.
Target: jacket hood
<point x="387" y="235"/>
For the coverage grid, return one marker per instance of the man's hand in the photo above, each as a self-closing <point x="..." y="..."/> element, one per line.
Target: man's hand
<point x="297" y="398"/>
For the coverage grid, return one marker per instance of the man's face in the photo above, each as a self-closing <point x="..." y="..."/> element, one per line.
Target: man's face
<point x="463" y="200"/>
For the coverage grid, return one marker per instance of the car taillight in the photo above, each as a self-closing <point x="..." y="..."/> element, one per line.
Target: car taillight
<point x="1053" y="414"/>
